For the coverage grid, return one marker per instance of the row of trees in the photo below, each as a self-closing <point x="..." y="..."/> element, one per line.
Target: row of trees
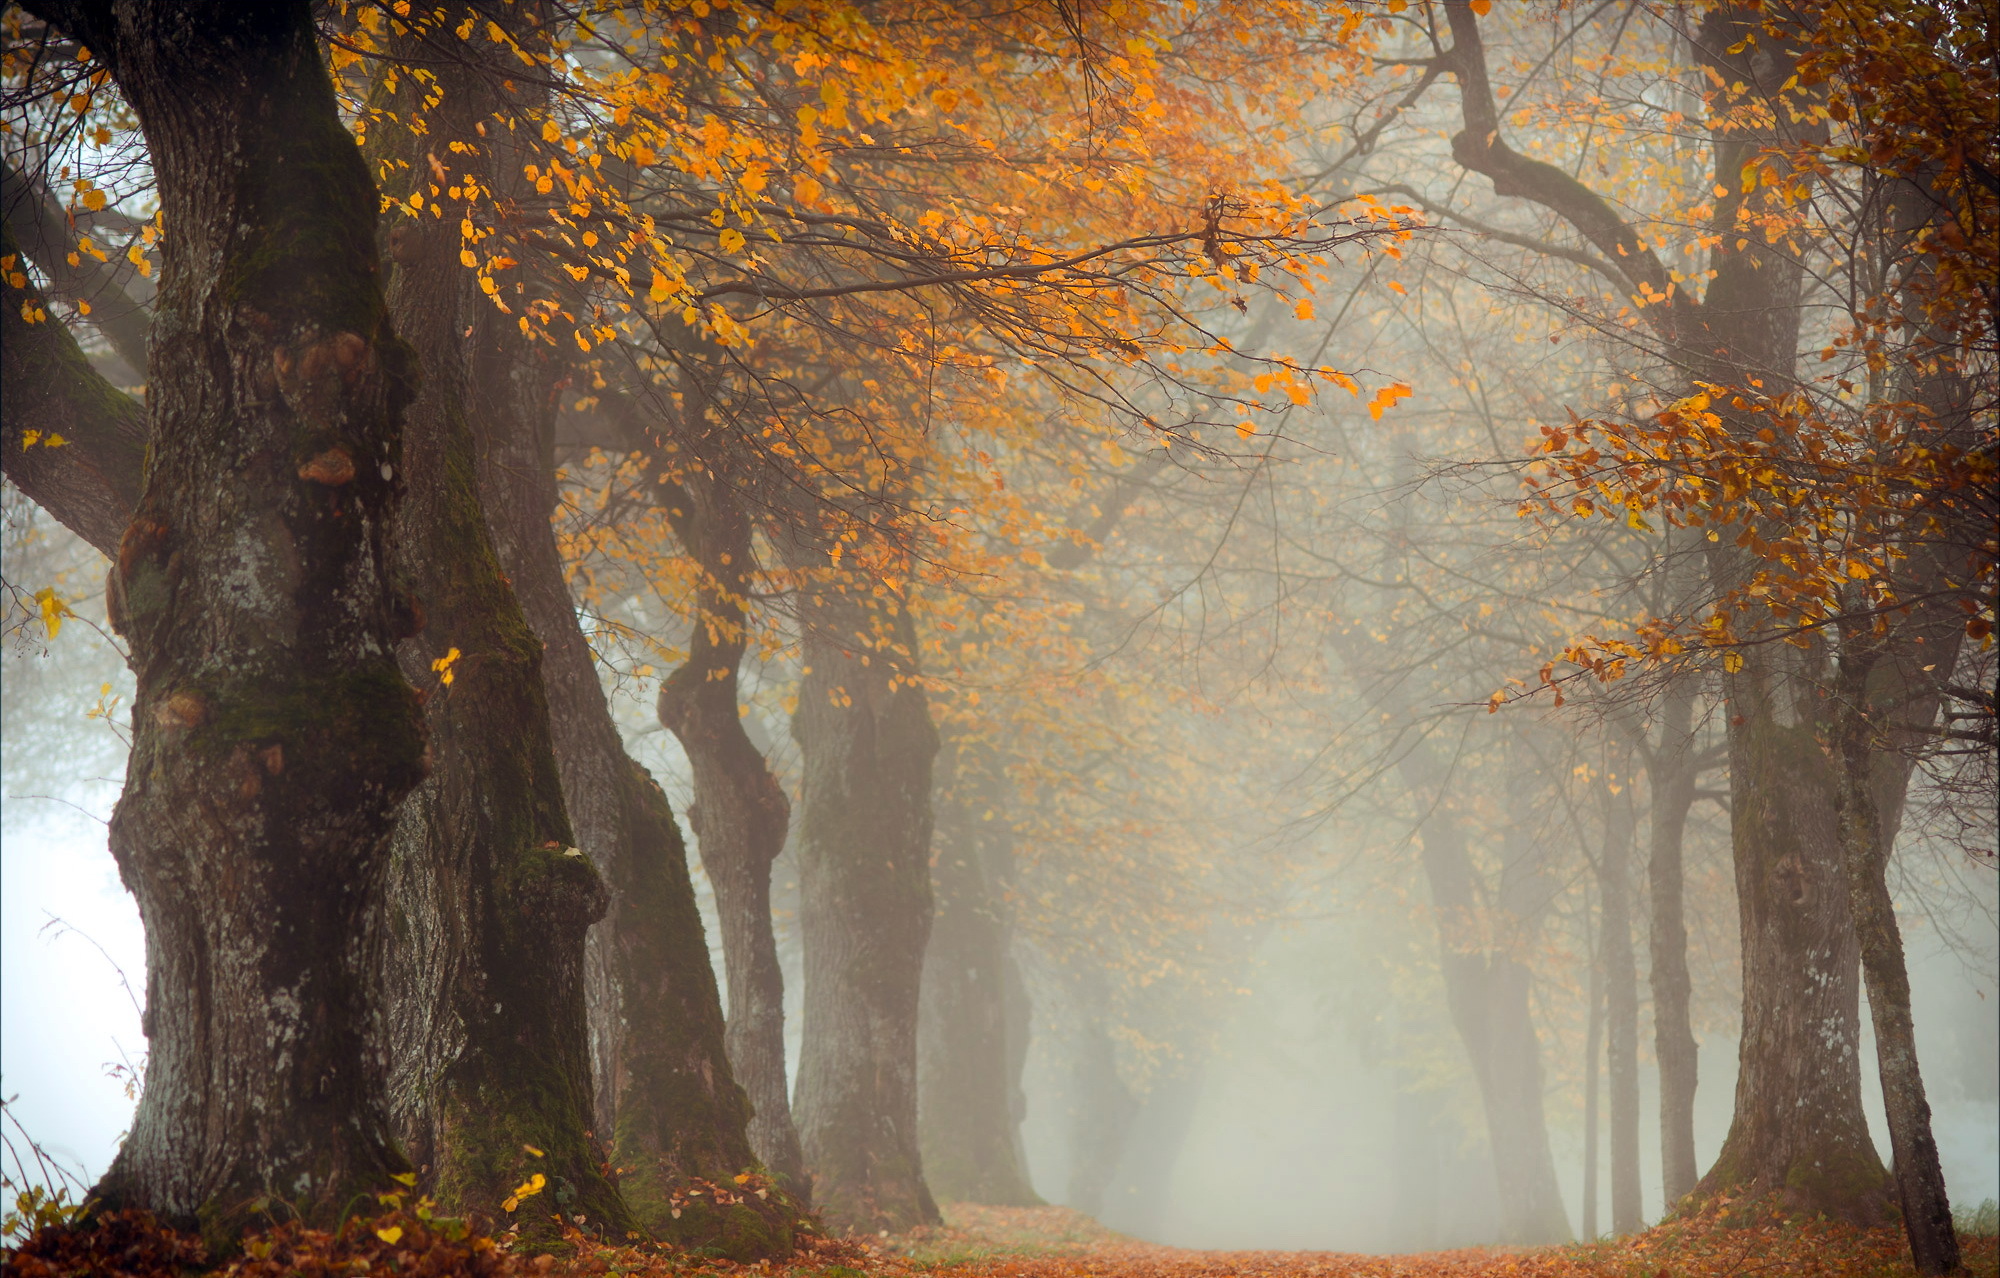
<point x="833" y="327"/>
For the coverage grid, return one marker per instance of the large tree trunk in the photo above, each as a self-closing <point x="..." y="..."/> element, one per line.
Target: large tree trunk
<point x="1671" y="775"/>
<point x="867" y="744"/>
<point x="966" y="1117"/>
<point x="740" y="814"/>
<point x="273" y="735"/>
<point x="1798" y="1129"/>
<point x="490" y="898"/>
<point x="678" y="1119"/>
<point x="1621" y="1006"/>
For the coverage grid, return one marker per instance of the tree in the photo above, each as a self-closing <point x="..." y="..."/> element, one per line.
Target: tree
<point x="273" y="735"/>
<point x="1743" y="329"/>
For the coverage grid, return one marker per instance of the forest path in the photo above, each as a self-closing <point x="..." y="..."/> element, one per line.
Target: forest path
<point x="1055" y="1242"/>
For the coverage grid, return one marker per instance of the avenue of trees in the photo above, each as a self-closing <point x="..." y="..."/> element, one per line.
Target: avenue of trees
<point x="1071" y="480"/>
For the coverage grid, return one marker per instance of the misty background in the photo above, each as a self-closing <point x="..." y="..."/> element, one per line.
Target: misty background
<point x="1322" y="1102"/>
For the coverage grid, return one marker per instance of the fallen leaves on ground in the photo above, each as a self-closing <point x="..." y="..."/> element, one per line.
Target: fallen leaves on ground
<point x="1726" y="1241"/>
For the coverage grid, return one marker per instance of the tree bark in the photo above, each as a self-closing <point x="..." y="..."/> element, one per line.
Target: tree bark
<point x="1798" y="1129"/>
<point x="967" y="1123"/>
<point x="273" y="735"/>
<point x="491" y="899"/>
<point x="1671" y="774"/>
<point x="1621" y="1003"/>
<point x="864" y="732"/>
<point x="740" y="813"/>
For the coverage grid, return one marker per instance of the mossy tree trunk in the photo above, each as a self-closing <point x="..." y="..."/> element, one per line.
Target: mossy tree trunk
<point x="967" y="1120"/>
<point x="865" y="735"/>
<point x="740" y="813"/>
<point x="677" y="1119"/>
<point x="273" y="734"/>
<point x="485" y="977"/>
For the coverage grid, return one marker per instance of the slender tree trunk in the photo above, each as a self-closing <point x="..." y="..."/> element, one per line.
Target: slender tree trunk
<point x="1671" y="774"/>
<point x="1101" y="1106"/>
<point x="740" y="813"/>
<point x="865" y="734"/>
<point x="273" y="735"/>
<point x="1593" y="1075"/>
<point x="1487" y="990"/>
<point x="965" y="1105"/>
<point x="491" y="899"/>
<point x="1621" y="1001"/>
<point x="1919" y="1179"/>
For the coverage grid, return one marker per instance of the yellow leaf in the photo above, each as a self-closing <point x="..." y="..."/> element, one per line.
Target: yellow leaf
<point x="93" y="200"/>
<point x="1246" y="429"/>
<point x="1304" y="310"/>
<point x="731" y="240"/>
<point x="390" y="1234"/>
<point x="1395" y="287"/>
<point x="1732" y="662"/>
<point x="550" y="132"/>
<point x="53" y="609"/>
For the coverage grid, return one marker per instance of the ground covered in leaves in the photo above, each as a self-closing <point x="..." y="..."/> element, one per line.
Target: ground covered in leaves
<point x="978" y="1242"/>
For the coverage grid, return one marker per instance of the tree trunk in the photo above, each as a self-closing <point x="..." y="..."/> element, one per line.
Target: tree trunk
<point x="273" y="735"/>
<point x="867" y="746"/>
<point x="1621" y="1008"/>
<point x="1919" y="1179"/>
<point x="490" y="898"/>
<point x="678" y="1117"/>
<point x="1593" y="1076"/>
<point x="966" y="1116"/>
<point x="1488" y="990"/>
<point x="740" y="814"/>
<point x="1798" y="1129"/>
<point x="1671" y="773"/>
<point x="1101" y="1106"/>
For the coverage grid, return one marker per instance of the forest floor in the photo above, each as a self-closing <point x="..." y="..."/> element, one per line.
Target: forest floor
<point x="1055" y="1242"/>
<point x="976" y="1242"/>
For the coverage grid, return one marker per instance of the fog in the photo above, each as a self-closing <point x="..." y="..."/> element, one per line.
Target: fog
<point x="1312" y="616"/>
<point x="1322" y="1103"/>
